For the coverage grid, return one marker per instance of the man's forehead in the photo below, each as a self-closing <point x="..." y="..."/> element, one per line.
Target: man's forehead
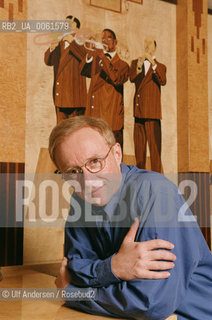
<point x="85" y="135"/>
<point x="79" y="146"/>
<point x="107" y="34"/>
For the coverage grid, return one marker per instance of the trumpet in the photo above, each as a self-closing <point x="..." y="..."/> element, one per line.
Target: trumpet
<point x="92" y="45"/>
<point x="65" y="34"/>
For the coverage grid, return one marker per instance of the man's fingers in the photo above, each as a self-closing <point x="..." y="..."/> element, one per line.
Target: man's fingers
<point x="65" y="261"/>
<point x="157" y="244"/>
<point x="161" y="255"/>
<point x="154" y="275"/>
<point x="64" y="264"/>
<point x="159" y="265"/>
<point x="130" y="236"/>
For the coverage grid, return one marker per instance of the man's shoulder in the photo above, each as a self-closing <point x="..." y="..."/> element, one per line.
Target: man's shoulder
<point x="160" y="63"/>
<point x="118" y="60"/>
<point x="144" y="178"/>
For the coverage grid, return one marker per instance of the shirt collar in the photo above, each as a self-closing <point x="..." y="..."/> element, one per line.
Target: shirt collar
<point x="112" y="54"/>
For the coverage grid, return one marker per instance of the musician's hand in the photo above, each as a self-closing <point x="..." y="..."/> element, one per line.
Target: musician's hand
<point x="149" y="57"/>
<point x="54" y="45"/>
<point x="140" y="62"/>
<point x="90" y="54"/>
<point x="100" y="53"/>
<point x="90" y="48"/>
<point x="69" y="38"/>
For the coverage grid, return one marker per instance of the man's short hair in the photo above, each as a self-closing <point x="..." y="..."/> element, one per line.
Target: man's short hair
<point x="112" y="32"/>
<point x="75" y="20"/>
<point x="66" y="127"/>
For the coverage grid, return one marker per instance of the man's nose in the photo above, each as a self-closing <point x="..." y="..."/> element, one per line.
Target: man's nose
<point x="87" y="175"/>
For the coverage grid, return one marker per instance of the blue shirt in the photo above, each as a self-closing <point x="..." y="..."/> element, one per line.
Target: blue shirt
<point x="160" y="208"/>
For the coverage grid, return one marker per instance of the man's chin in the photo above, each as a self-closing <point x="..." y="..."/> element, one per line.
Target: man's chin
<point x="97" y="198"/>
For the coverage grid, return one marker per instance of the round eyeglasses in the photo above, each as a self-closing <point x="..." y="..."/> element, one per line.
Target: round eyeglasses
<point x="93" y="165"/>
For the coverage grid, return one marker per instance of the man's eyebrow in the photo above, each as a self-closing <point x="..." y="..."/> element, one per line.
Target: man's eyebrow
<point x="95" y="156"/>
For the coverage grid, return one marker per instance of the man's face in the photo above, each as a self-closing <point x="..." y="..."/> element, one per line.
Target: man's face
<point x="107" y="38"/>
<point x="149" y="46"/>
<point x="73" y="25"/>
<point x="87" y="144"/>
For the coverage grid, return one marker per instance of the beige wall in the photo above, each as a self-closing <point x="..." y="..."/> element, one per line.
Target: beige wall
<point x="13" y="88"/>
<point x="154" y="17"/>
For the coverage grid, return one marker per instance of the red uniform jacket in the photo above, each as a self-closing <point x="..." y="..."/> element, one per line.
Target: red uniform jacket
<point x="105" y="96"/>
<point x="147" y="99"/>
<point x="69" y="88"/>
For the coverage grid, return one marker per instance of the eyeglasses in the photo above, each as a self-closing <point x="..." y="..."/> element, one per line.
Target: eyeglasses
<point x="93" y="166"/>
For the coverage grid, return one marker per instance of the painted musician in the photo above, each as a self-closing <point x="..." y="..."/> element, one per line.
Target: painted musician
<point x="148" y="75"/>
<point x="69" y="90"/>
<point x="108" y="73"/>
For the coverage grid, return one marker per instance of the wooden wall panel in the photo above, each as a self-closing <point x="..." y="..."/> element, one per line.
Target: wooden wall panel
<point x="192" y="95"/>
<point x="11" y="233"/>
<point x="13" y="55"/>
<point x="201" y="204"/>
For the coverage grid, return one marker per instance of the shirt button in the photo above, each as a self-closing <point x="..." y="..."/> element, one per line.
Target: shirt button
<point x="58" y="83"/>
<point x="92" y="107"/>
<point x="93" y="96"/>
<point x="138" y="95"/>
<point x="57" y="94"/>
<point x="101" y="65"/>
<point x="137" y="104"/>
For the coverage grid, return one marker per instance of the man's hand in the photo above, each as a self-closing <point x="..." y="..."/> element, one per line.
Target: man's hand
<point x="69" y="38"/>
<point x="138" y="260"/>
<point x="148" y="57"/>
<point x="54" y="45"/>
<point x="139" y="63"/>
<point x="100" y="53"/>
<point x="64" y="276"/>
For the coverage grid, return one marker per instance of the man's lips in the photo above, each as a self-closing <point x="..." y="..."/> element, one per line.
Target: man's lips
<point x="93" y="189"/>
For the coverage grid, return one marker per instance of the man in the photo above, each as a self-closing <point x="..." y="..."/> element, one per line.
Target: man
<point x="148" y="75"/>
<point x="69" y="90"/>
<point x="108" y="74"/>
<point x="133" y="271"/>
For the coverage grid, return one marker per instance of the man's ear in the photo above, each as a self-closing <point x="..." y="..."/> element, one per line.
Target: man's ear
<point x="117" y="153"/>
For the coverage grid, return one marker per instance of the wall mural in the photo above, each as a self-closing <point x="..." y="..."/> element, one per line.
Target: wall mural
<point x="148" y="75"/>
<point x="65" y="55"/>
<point x="80" y="53"/>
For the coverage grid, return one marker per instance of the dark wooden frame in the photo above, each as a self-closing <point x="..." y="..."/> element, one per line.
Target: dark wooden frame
<point x="171" y="1"/>
<point x="138" y="2"/>
<point x="117" y="11"/>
